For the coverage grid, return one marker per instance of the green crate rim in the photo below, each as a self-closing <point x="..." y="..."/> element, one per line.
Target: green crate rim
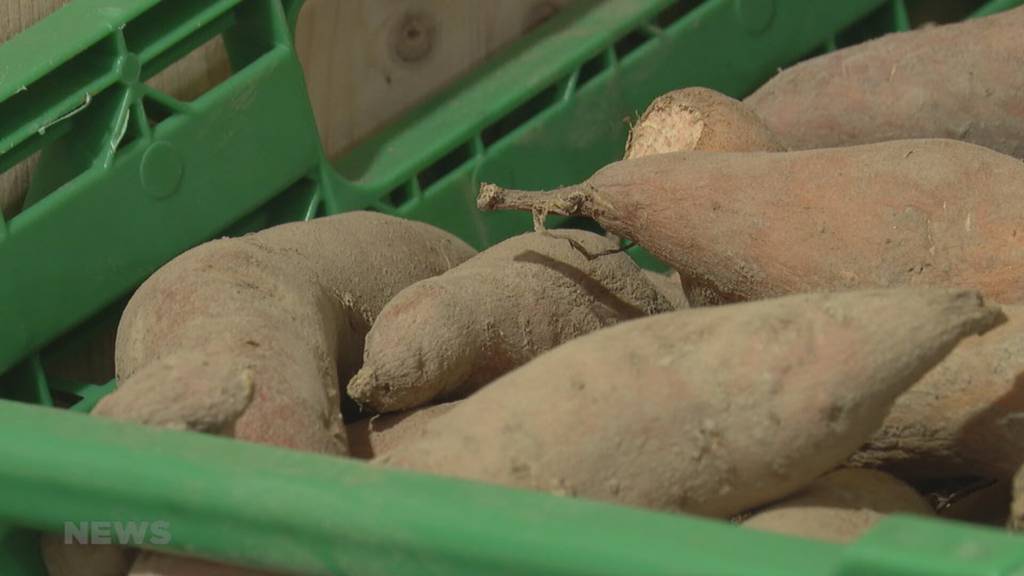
<point x="268" y="507"/>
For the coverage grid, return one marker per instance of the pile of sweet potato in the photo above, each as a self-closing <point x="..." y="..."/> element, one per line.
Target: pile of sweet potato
<point x="842" y="338"/>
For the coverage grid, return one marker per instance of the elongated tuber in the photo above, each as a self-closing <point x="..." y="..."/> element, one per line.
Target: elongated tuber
<point x="711" y="410"/>
<point x="447" y="336"/>
<point x="276" y="316"/>
<point x="960" y="81"/>
<point x="752" y="225"/>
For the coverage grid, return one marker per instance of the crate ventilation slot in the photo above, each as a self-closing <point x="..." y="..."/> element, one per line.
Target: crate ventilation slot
<point x="675" y="12"/>
<point x="632" y="41"/>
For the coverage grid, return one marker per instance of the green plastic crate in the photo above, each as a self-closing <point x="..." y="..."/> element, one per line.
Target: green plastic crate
<point x="130" y="177"/>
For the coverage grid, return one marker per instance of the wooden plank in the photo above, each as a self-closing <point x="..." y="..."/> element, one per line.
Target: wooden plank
<point x="16" y="15"/>
<point x="368" y="61"/>
<point x="200" y="70"/>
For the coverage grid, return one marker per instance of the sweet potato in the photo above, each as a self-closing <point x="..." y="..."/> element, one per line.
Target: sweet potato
<point x="965" y="417"/>
<point x="960" y="81"/>
<point x="840" y="506"/>
<point x="698" y="119"/>
<point x="278" y="316"/>
<point x="752" y="225"/>
<point x="247" y="337"/>
<point x="447" y="336"/>
<point x="1017" y="511"/>
<point x="710" y="410"/>
<point x="379" y="434"/>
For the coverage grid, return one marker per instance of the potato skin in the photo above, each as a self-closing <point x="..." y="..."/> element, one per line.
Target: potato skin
<point x="744" y="226"/>
<point x="965" y="417"/>
<point x="698" y="118"/>
<point x="840" y="506"/>
<point x="445" y="337"/>
<point x="709" y="411"/>
<point x="959" y="81"/>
